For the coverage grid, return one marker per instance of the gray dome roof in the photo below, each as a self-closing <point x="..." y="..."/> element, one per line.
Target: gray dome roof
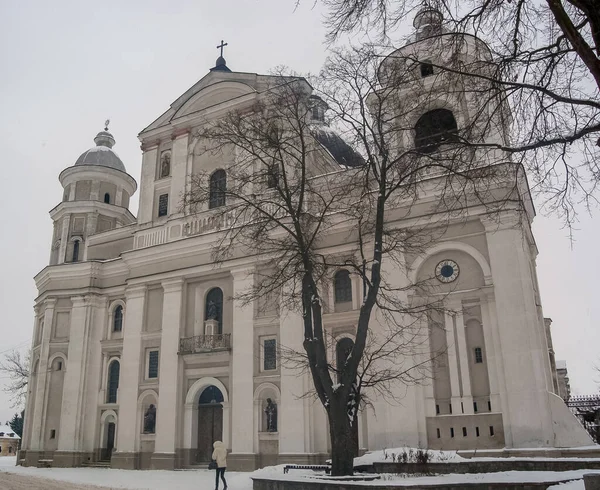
<point x="102" y="154"/>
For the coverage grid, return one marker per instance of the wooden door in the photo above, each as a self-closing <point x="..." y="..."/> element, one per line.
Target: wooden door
<point x="210" y="429"/>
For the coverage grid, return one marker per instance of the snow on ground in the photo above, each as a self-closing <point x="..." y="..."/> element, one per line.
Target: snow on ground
<point x="132" y="479"/>
<point x="204" y="479"/>
<point x="380" y="456"/>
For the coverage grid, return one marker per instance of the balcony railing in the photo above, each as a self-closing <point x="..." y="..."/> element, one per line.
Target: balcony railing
<point x="204" y="343"/>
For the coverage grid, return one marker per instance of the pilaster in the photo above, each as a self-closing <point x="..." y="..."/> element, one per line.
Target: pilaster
<point x="75" y="376"/>
<point x="64" y="239"/>
<point x="523" y="357"/>
<point x="463" y="359"/>
<point x="242" y="371"/>
<point x="178" y="169"/>
<point x="36" y="442"/>
<point x="291" y="414"/>
<point x="169" y="381"/>
<point x="127" y="426"/>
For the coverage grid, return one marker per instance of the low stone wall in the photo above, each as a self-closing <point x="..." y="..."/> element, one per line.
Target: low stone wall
<point x="592" y="481"/>
<point x="481" y="466"/>
<point x="264" y="484"/>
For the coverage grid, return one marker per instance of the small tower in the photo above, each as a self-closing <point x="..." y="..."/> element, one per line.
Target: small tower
<point x="96" y="197"/>
<point x="434" y="92"/>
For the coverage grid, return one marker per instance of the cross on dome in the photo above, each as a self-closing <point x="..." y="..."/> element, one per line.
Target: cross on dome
<point x="221" y="46"/>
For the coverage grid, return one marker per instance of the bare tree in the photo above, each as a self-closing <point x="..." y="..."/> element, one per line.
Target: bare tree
<point x="306" y="204"/>
<point x="543" y="62"/>
<point x="16" y="366"/>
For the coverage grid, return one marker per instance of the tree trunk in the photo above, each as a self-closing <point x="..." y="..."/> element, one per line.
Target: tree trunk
<point x="342" y="444"/>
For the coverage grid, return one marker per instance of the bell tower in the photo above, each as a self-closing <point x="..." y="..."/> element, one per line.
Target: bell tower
<point x="437" y="91"/>
<point x="97" y="189"/>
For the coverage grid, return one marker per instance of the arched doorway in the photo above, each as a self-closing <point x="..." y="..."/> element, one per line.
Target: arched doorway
<point x="210" y="422"/>
<point x="109" y="434"/>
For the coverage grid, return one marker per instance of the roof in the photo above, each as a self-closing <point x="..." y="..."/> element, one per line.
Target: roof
<point x="102" y="154"/>
<point x="7" y="431"/>
<point x="341" y="151"/>
<point x="561" y="364"/>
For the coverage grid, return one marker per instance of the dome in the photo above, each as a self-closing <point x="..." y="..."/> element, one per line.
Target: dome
<point x="102" y="154"/>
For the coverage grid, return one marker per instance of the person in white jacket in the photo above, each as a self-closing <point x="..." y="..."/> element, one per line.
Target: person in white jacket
<point x="220" y="456"/>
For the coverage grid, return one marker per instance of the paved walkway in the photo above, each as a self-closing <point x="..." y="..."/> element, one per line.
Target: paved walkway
<point x="10" y="481"/>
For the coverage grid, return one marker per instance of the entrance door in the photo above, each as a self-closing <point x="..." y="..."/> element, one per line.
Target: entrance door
<point x="110" y="442"/>
<point x="210" y="429"/>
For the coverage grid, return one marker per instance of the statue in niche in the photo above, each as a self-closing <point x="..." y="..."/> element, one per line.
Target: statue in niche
<point x="150" y="420"/>
<point x="211" y="310"/>
<point x="271" y="412"/>
<point x="165" y="165"/>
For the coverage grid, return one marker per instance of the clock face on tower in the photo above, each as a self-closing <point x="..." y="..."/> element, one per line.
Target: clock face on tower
<point x="447" y="271"/>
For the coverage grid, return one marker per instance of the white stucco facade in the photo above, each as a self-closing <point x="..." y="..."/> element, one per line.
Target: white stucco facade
<point x="132" y="361"/>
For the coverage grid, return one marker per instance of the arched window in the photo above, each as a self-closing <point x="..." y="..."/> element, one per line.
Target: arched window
<point x="214" y="307"/>
<point x="342" y="350"/>
<point x="342" y="286"/>
<point x="218" y="187"/>
<point x="118" y="319"/>
<point x="210" y="395"/>
<point x="107" y="198"/>
<point x="76" y="251"/>
<point x="113" y="382"/>
<point x="433" y="129"/>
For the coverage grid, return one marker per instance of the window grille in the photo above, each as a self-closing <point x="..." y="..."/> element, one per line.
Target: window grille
<point x="153" y="364"/>
<point x="478" y="355"/>
<point x="163" y="205"/>
<point x="270" y="354"/>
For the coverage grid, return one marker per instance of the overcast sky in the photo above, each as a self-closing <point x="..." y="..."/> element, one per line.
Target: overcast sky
<point x="66" y="66"/>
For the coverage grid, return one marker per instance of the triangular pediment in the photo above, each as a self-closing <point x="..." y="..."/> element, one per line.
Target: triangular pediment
<point x="213" y="89"/>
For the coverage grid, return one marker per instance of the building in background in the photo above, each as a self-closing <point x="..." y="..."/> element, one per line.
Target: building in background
<point x="9" y="441"/>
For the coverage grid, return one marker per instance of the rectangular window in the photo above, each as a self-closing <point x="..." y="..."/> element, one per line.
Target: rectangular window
<point x="489" y="405"/>
<point x="439" y="435"/>
<point x="437" y="409"/>
<point x="426" y="68"/>
<point x="475" y="407"/>
<point x="464" y="432"/>
<point x="477" y="431"/>
<point x="451" y="431"/>
<point x="163" y="205"/>
<point x="492" y="430"/>
<point x="52" y="433"/>
<point x="153" y="364"/>
<point x="462" y="407"/>
<point x="450" y="408"/>
<point x="478" y="355"/>
<point x="269" y="354"/>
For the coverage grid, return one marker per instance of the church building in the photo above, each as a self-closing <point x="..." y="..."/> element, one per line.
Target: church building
<point x="143" y="354"/>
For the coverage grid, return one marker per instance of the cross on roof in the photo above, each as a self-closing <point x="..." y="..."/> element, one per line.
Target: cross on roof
<point x="221" y="46"/>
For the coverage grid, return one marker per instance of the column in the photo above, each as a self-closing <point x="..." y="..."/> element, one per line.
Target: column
<point x="129" y="377"/>
<point x="242" y="374"/>
<point x="169" y="379"/>
<point x="463" y="362"/>
<point x="452" y="361"/>
<point x="31" y="382"/>
<point x="291" y="414"/>
<point x="72" y="399"/>
<point x="37" y="438"/>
